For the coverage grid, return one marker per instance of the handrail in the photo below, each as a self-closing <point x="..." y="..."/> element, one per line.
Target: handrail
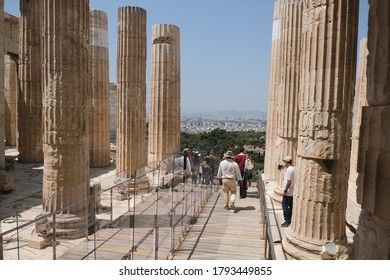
<point x="268" y="240"/>
<point x="197" y="196"/>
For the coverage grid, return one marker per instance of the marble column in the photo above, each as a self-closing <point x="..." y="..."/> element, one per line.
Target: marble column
<point x="98" y="97"/>
<point x="113" y="111"/>
<point x="131" y="126"/>
<point x="271" y="161"/>
<point x="11" y="95"/>
<point x="2" y="99"/>
<point x="329" y="43"/>
<point x="30" y="126"/>
<point x="65" y="115"/>
<point x="287" y="133"/>
<point x="164" y="119"/>
<point x="373" y="232"/>
<point x="355" y="193"/>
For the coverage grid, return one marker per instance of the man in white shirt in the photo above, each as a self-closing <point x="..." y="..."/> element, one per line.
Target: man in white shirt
<point x="288" y="191"/>
<point x="228" y="175"/>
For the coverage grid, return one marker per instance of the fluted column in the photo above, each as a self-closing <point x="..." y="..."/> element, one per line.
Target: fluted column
<point x="373" y="232"/>
<point x="271" y="160"/>
<point x="131" y="126"/>
<point x="287" y="133"/>
<point x="65" y="114"/>
<point x="164" y="119"/>
<point x="355" y="193"/>
<point x="98" y="97"/>
<point x="30" y="126"/>
<point x="329" y="41"/>
<point x="11" y="95"/>
<point x="2" y="108"/>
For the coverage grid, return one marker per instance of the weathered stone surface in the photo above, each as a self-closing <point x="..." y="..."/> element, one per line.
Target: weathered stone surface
<point x="374" y="157"/>
<point x="65" y="114"/>
<point x="271" y="159"/>
<point x="11" y="94"/>
<point x="372" y="237"/>
<point x="98" y="97"/>
<point x="164" y="119"/>
<point x="113" y="111"/>
<point x="355" y="193"/>
<point x="7" y="183"/>
<point x="287" y="102"/>
<point x="378" y="71"/>
<point x="30" y="125"/>
<point x="372" y="240"/>
<point x="131" y="126"/>
<point x="2" y="108"/>
<point x="329" y="40"/>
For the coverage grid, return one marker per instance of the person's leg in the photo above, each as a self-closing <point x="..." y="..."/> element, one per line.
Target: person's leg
<point x="287" y="209"/>
<point x="290" y="207"/>
<point x="226" y="192"/>
<point x="233" y="190"/>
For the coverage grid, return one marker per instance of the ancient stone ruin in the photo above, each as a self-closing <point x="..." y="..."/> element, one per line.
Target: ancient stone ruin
<point x="334" y="123"/>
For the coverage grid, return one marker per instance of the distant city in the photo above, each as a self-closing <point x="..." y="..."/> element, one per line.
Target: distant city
<point x="226" y="120"/>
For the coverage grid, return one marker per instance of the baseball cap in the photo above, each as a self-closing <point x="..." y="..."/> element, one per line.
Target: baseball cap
<point x="287" y="159"/>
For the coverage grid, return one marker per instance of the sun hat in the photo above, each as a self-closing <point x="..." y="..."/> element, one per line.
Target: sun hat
<point x="228" y="154"/>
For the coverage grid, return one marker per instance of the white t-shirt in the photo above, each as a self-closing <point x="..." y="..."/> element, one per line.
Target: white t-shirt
<point x="289" y="175"/>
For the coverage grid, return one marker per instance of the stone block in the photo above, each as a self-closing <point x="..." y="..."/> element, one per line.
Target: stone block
<point x="38" y="242"/>
<point x="7" y="183"/>
<point x="374" y="159"/>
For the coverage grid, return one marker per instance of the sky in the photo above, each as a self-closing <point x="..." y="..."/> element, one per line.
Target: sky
<point x="225" y="48"/>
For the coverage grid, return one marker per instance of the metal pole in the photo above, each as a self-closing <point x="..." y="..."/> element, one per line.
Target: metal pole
<point x="17" y="233"/>
<point x="94" y="222"/>
<point x="54" y="237"/>
<point x="156" y="225"/>
<point x="111" y="207"/>
<point x="86" y="205"/>
<point x="1" y="244"/>
<point x="265" y="245"/>
<point x="133" y="251"/>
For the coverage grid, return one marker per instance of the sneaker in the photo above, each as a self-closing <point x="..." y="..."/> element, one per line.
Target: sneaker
<point x="233" y="206"/>
<point x="226" y="207"/>
<point x="285" y="224"/>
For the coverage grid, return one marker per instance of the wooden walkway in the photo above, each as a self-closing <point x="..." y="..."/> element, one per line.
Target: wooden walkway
<point x="217" y="234"/>
<point x="222" y="234"/>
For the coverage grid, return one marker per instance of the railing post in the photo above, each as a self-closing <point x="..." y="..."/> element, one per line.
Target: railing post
<point x="17" y="233"/>
<point x="54" y="237"/>
<point x="156" y="237"/>
<point x="1" y="244"/>
<point x="265" y="245"/>
<point x="94" y="222"/>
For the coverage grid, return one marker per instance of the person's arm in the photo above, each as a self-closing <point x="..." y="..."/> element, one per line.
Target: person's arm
<point x="238" y="173"/>
<point x="288" y="184"/>
<point x="219" y="174"/>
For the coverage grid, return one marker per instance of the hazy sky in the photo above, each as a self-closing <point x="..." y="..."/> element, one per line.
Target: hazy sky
<point x="225" y="47"/>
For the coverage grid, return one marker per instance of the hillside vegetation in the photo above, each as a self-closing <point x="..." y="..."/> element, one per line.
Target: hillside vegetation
<point x="219" y="141"/>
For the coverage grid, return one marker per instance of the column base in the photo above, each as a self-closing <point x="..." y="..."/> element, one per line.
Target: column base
<point x="71" y="226"/>
<point x="302" y="250"/>
<point x="277" y="195"/>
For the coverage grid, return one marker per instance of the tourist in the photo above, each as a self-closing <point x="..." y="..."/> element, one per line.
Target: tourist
<point x="288" y="191"/>
<point x="249" y="170"/>
<point x="207" y="170"/>
<point x="240" y="158"/>
<point x="228" y="175"/>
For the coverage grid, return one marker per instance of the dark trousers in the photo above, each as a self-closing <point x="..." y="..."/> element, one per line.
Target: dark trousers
<point x="287" y="205"/>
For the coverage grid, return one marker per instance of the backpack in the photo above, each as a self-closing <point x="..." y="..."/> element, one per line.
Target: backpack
<point x="248" y="164"/>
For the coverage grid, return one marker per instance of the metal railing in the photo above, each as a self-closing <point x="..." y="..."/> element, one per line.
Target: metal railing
<point x="118" y="212"/>
<point x="269" y="250"/>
